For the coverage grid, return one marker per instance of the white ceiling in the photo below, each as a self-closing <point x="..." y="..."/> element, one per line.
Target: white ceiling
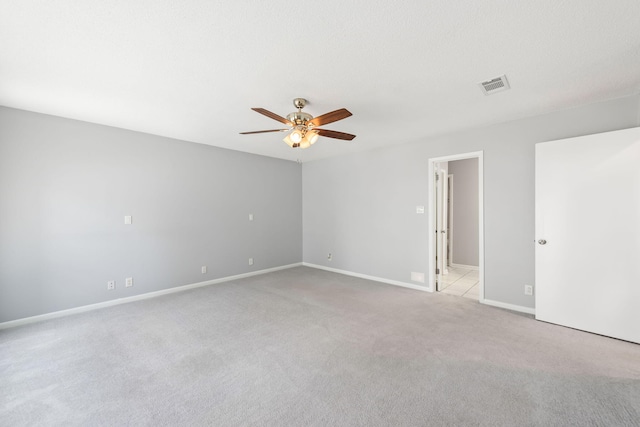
<point x="407" y="70"/>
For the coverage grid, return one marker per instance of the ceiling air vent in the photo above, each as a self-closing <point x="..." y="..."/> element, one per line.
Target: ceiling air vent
<point x="495" y="85"/>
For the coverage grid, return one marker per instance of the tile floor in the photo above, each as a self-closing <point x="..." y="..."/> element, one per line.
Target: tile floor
<point x="461" y="282"/>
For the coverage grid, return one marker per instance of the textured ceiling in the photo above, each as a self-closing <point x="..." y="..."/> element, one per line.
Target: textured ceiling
<point x="407" y="70"/>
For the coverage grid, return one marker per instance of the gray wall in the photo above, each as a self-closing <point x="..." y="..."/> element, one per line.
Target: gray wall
<point x="464" y="199"/>
<point x="65" y="187"/>
<point x="361" y="207"/>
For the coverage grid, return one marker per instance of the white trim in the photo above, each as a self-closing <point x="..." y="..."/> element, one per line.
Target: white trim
<point x="467" y="267"/>
<point x="481" y="222"/>
<point x="148" y="295"/>
<point x="367" y="277"/>
<point x="432" y="241"/>
<point x="450" y="219"/>
<point x="512" y="307"/>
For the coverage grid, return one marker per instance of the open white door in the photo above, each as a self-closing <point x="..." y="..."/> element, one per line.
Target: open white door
<point x="441" y="211"/>
<point x="588" y="233"/>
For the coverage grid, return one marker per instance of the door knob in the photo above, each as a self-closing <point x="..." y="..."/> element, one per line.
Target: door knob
<point x="542" y="242"/>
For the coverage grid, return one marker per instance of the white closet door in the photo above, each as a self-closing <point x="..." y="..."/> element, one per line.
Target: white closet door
<point x="588" y="233"/>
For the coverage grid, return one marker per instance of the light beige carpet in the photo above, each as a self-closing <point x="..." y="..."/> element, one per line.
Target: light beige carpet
<point x="305" y="347"/>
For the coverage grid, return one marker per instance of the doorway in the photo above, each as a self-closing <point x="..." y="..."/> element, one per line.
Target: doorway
<point x="458" y="260"/>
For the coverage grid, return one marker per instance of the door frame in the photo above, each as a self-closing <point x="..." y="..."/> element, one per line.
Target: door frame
<point x="450" y="220"/>
<point x="432" y="218"/>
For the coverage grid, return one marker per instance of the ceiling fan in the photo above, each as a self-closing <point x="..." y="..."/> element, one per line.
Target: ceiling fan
<point x="304" y="127"/>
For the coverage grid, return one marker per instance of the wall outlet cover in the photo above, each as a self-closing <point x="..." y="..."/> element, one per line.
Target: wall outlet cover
<point x="417" y="277"/>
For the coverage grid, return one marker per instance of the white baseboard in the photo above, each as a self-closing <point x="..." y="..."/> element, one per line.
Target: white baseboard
<point x="85" y="308"/>
<point x="467" y="267"/>
<point x="499" y="304"/>
<point x="512" y="307"/>
<point x="364" y="276"/>
<point x="148" y="295"/>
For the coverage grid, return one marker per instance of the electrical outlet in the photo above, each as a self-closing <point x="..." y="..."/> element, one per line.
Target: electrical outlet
<point x="128" y="282"/>
<point x="250" y="261"/>
<point x="127" y="219"/>
<point x="111" y="285"/>
<point x="250" y="217"/>
<point x="417" y="277"/>
<point x="329" y="256"/>
<point x="204" y="269"/>
<point x="528" y="290"/>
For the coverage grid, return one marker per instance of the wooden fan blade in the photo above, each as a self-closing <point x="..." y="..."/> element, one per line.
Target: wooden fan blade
<point x="273" y="116"/>
<point x="334" y="134"/>
<point x="264" y="131"/>
<point x="331" y="117"/>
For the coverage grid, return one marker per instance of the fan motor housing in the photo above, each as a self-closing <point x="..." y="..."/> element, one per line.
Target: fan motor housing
<point x="299" y="118"/>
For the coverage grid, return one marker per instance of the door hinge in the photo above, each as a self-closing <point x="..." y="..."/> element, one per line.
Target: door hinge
<point x="437" y="177"/>
<point x="437" y="271"/>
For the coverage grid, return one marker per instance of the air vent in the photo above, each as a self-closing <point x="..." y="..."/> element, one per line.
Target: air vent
<point x="496" y="85"/>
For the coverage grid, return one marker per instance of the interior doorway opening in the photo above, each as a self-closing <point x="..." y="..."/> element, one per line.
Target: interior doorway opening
<point x="456" y="238"/>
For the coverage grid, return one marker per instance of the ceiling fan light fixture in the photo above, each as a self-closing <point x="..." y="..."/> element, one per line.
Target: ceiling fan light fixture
<point x="288" y="141"/>
<point x="309" y="139"/>
<point x="296" y="135"/>
<point x="304" y="129"/>
<point x="305" y="144"/>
